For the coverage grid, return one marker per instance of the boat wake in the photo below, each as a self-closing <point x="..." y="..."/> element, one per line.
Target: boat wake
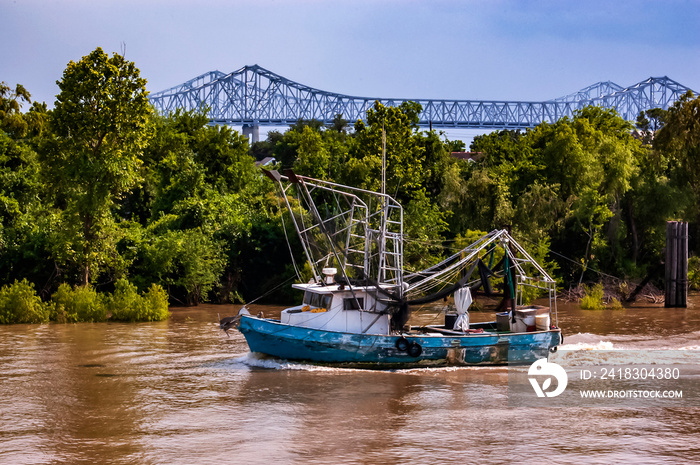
<point x="257" y="360"/>
<point x="592" y="349"/>
<point x="588" y="341"/>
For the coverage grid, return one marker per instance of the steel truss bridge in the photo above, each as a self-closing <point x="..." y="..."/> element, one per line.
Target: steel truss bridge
<point x="255" y="96"/>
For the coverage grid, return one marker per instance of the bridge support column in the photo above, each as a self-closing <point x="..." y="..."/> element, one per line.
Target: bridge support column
<point x="252" y="132"/>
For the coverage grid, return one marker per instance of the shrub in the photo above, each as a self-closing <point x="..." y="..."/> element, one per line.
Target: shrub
<point x="157" y="300"/>
<point x="615" y="304"/>
<point x="593" y="298"/>
<point x="19" y="303"/>
<point x="78" y="304"/>
<point x="126" y="304"/>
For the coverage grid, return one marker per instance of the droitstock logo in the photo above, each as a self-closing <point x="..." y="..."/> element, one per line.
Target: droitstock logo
<point x="545" y="371"/>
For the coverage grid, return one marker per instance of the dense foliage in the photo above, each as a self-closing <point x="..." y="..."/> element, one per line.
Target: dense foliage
<point x="20" y="304"/>
<point x="101" y="198"/>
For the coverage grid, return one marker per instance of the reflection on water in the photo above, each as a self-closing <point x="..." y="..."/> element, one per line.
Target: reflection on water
<point x="183" y="392"/>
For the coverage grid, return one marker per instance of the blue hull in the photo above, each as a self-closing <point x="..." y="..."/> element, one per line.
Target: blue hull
<point x="306" y="344"/>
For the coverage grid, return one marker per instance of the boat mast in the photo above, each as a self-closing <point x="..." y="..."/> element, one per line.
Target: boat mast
<point x="383" y="163"/>
<point x="384" y="208"/>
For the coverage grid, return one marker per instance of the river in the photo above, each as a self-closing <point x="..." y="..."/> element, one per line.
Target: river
<point x="182" y="392"/>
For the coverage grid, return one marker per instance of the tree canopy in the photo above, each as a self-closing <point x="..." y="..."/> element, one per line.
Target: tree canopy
<point x="101" y="190"/>
<point x="99" y="129"/>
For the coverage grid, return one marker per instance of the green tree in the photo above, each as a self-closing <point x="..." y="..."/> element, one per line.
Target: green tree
<point x="506" y="176"/>
<point x="568" y="181"/>
<point x="590" y="159"/>
<point x="23" y="215"/>
<point x="100" y="126"/>
<point x="189" y="260"/>
<point x="649" y="122"/>
<point x="339" y="124"/>
<point x="224" y="155"/>
<point x="12" y="120"/>
<point x="425" y="223"/>
<point x="437" y="161"/>
<point x="200" y="183"/>
<point x="679" y="141"/>
<point x="313" y="159"/>
<point x="263" y="149"/>
<point x="404" y="157"/>
<point x="455" y="196"/>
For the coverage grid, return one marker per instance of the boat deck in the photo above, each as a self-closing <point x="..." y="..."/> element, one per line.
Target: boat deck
<point x="488" y="328"/>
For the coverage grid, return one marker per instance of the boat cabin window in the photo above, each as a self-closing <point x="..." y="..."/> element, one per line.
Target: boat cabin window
<point x="317" y="300"/>
<point x="353" y="303"/>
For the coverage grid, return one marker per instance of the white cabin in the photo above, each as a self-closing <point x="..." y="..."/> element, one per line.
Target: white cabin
<point x="334" y="307"/>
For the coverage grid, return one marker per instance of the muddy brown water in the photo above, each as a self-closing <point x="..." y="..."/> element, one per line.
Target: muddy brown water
<point x="182" y="392"/>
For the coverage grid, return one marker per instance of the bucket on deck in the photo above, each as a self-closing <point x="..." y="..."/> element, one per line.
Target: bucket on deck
<point x="502" y="321"/>
<point x="531" y="318"/>
<point x="450" y="319"/>
<point x="524" y="320"/>
<point x="542" y="322"/>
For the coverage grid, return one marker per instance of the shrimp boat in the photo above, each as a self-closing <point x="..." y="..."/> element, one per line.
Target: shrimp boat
<point x="356" y="308"/>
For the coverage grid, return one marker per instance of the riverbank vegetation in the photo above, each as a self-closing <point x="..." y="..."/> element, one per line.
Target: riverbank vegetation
<point x="102" y="199"/>
<point x="19" y="303"/>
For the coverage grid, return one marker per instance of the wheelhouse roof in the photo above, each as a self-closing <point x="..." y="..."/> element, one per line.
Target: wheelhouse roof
<point x="331" y="288"/>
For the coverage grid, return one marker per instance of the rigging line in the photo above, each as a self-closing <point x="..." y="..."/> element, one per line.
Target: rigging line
<point x="271" y="290"/>
<point x="428" y="241"/>
<point x="437" y="243"/>
<point x="396" y="194"/>
<point x="572" y="260"/>
<point x="444" y="282"/>
<point x="289" y="245"/>
<point x="444" y="241"/>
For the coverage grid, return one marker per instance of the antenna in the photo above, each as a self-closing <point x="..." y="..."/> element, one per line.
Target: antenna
<point x="383" y="160"/>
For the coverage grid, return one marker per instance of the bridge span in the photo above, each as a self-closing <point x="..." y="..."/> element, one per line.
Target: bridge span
<point x="254" y="96"/>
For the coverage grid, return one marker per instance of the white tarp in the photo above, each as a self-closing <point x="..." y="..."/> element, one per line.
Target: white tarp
<point x="463" y="299"/>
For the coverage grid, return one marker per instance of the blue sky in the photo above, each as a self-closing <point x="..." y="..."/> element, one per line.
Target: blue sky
<point x="470" y="49"/>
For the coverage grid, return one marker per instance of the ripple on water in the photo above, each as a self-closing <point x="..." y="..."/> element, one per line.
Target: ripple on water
<point x="183" y="392"/>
